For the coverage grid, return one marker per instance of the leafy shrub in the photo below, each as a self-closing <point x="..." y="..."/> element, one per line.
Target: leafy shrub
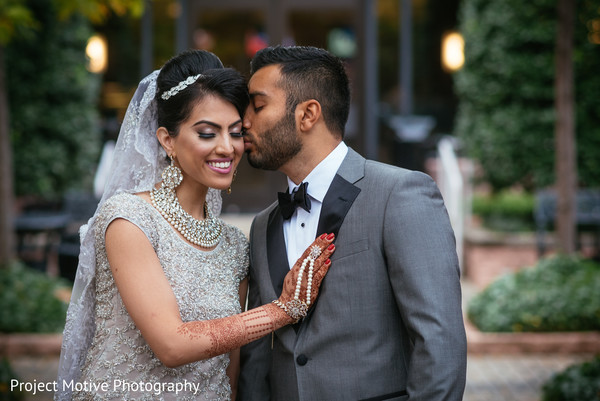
<point x="506" y="211"/>
<point x="559" y="294"/>
<point x="580" y="382"/>
<point x="30" y="302"/>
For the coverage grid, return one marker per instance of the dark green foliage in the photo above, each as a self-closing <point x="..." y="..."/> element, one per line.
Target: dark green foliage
<point x="587" y="92"/>
<point x="580" y="382"/>
<point x="29" y="301"/>
<point x="559" y="294"/>
<point x="506" y="211"/>
<point x="52" y="98"/>
<point x="506" y="90"/>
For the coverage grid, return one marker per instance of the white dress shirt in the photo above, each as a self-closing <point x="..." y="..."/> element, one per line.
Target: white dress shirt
<point x="301" y="229"/>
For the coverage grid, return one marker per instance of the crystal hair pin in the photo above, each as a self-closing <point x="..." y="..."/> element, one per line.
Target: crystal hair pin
<point x="181" y="86"/>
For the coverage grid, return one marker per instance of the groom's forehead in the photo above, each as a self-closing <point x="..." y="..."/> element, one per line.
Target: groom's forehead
<point x="265" y="84"/>
<point x="269" y="75"/>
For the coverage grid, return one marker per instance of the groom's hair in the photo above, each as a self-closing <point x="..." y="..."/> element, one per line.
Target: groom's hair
<point x="310" y="73"/>
<point x="211" y="79"/>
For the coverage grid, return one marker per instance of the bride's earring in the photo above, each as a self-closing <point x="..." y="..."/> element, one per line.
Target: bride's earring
<point x="171" y="175"/>
<point x="232" y="180"/>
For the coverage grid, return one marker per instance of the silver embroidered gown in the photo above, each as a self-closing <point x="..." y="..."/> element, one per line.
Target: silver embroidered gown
<point x="205" y="284"/>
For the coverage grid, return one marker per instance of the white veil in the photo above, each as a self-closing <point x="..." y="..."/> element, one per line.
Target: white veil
<point x="137" y="165"/>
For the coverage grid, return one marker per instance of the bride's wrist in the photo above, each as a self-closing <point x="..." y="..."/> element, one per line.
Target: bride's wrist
<point x="280" y="317"/>
<point x="294" y="309"/>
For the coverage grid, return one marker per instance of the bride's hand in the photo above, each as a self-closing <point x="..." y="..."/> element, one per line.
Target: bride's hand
<point x="301" y="284"/>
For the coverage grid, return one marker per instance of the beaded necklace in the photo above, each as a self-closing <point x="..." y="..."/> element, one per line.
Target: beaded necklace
<point x="205" y="233"/>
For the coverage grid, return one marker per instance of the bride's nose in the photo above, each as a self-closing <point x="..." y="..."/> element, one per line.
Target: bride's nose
<point x="225" y="145"/>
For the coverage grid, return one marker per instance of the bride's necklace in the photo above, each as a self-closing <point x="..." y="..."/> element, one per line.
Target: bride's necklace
<point x="205" y="233"/>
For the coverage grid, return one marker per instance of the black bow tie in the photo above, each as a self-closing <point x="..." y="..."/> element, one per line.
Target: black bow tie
<point x="289" y="202"/>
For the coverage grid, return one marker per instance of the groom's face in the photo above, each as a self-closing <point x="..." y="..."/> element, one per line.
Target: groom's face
<point x="271" y="138"/>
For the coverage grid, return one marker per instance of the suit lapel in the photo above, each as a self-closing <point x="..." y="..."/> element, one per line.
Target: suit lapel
<point x="276" y="252"/>
<point x="341" y="193"/>
<point x="337" y="202"/>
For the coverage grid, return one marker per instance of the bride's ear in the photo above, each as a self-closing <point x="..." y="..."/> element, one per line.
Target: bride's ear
<point x="165" y="139"/>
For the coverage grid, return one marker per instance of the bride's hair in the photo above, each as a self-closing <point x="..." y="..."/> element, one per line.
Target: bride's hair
<point x="211" y="78"/>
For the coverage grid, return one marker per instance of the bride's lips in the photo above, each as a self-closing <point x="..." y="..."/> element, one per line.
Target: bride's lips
<point x="222" y="166"/>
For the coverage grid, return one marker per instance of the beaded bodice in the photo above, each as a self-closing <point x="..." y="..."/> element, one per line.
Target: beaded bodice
<point x="205" y="284"/>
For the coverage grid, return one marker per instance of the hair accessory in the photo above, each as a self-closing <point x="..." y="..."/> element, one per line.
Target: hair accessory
<point x="179" y="87"/>
<point x="205" y="233"/>
<point x="296" y="308"/>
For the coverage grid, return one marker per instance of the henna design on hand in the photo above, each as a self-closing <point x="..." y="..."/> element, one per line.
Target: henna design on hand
<point x="321" y="266"/>
<point x="229" y="333"/>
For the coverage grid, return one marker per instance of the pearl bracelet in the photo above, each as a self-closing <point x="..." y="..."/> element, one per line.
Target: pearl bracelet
<point x="296" y="308"/>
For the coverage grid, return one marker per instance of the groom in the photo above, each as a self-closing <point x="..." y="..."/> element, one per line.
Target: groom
<point x="388" y="323"/>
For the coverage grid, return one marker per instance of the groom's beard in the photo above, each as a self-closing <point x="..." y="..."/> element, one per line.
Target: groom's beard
<point x="277" y="145"/>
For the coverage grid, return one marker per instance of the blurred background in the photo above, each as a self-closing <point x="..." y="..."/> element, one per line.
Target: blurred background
<point x="497" y="100"/>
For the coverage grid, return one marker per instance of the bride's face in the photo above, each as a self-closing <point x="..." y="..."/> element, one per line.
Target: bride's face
<point x="209" y="145"/>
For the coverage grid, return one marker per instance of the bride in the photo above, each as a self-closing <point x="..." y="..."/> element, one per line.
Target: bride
<point x="156" y="305"/>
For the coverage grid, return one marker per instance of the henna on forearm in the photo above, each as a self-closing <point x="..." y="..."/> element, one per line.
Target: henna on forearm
<point x="209" y="338"/>
<point x="226" y="334"/>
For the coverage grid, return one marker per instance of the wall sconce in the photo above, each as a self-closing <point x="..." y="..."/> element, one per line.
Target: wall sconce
<point x="453" y="51"/>
<point x="97" y="53"/>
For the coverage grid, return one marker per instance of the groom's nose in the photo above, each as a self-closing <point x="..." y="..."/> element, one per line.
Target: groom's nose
<point x="246" y="122"/>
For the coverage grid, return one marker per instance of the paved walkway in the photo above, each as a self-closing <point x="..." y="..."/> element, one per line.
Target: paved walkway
<point x="512" y="377"/>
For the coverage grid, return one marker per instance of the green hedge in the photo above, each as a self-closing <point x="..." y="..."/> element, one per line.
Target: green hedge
<point x="30" y="302"/>
<point x="506" y="211"/>
<point x="559" y="294"/>
<point x="580" y="382"/>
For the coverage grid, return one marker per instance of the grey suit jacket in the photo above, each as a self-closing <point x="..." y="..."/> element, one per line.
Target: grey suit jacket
<point x="387" y="324"/>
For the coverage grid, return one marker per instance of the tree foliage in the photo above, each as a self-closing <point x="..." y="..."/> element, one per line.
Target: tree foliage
<point x="55" y="133"/>
<point x="97" y="10"/>
<point x="587" y="92"/>
<point x="52" y="97"/>
<point x="18" y="20"/>
<point x="506" y="110"/>
<point x="14" y="15"/>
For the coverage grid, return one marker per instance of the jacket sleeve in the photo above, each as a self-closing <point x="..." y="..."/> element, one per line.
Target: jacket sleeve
<point x="255" y="358"/>
<point x="424" y="272"/>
